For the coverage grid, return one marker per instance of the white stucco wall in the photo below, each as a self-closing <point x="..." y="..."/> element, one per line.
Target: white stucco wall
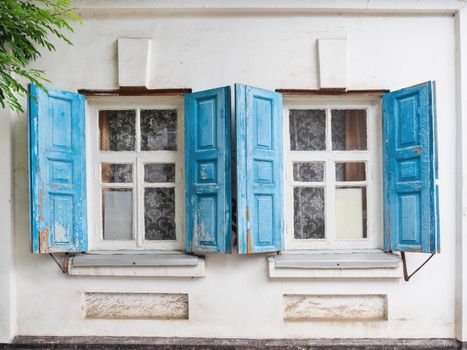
<point x="7" y="268"/>
<point x="205" y="50"/>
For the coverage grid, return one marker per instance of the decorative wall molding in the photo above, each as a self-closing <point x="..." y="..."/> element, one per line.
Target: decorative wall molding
<point x="447" y="7"/>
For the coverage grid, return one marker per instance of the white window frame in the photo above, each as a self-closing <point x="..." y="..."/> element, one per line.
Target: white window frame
<point x="138" y="158"/>
<point x="372" y="157"/>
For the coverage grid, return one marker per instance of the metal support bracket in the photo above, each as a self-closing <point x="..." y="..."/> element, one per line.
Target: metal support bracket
<point x="404" y="264"/>
<point x="64" y="266"/>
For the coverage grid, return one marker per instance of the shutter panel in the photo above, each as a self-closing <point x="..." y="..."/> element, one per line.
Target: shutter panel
<point x="259" y="170"/>
<point x="410" y="170"/>
<point x="57" y="171"/>
<point x="207" y="171"/>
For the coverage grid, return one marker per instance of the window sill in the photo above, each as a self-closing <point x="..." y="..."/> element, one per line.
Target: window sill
<point x="137" y="264"/>
<point x="334" y="264"/>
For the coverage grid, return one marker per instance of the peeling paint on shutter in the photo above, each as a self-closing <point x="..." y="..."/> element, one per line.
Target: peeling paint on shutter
<point x="259" y="170"/>
<point x="57" y="171"/>
<point x="207" y="171"/>
<point x="410" y="170"/>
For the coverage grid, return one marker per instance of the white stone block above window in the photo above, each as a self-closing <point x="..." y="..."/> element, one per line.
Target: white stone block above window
<point x="133" y="62"/>
<point x="332" y="57"/>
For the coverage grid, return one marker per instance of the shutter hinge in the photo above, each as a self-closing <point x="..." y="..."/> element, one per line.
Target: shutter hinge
<point x="247" y="214"/>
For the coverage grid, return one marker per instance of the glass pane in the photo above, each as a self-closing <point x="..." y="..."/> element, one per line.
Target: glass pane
<point x="307" y="130"/>
<point x="158" y="130"/>
<point x="159" y="213"/>
<point x="348" y="128"/>
<point x="350" y="212"/>
<point x="350" y="172"/>
<point x="117" y="214"/>
<point x="117" y="130"/>
<point x="159" y="172"/>
<point x="117" y="173"/>
<point x="308" y="171"/>
<point x="309" y="212"/>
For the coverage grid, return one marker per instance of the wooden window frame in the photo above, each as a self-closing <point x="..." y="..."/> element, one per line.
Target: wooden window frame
<point x="138" y="158"/>
<point x="372" y="157"/>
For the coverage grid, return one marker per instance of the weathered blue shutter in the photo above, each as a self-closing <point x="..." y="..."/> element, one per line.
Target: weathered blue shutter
<point x="207" y="171"/>
<point x="410" y="170"/>
<point x="259" y="170"/>
<point x="57" y="158"/>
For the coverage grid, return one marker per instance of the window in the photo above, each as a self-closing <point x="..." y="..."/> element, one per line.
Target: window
<point x="318" y="167"/>
<point x="136" y="152"/>
<point x="333" y="173"/>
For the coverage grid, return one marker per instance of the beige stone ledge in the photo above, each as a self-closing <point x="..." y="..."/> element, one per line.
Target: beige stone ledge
<point x="159" y="306"/>
<point x="303" y="307"/>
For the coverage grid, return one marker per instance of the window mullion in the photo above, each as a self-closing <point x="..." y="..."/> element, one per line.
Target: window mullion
<point x="160" y="185"/>
<point x="116" y="157"/>
<point x="330" y="191"/>
<point x="138" y="130"/>
<point x="139" y="202"/>
<point x="330" y="183"/>
<point x="116" y="185"/>
<point x="139" y="209"/>
<point x="179" y="179"/>
<point x="351" y="183"/>
<point x="328" y="131"/>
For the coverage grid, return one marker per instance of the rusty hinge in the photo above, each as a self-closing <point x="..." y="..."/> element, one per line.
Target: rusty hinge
<point x="247" y="214"/>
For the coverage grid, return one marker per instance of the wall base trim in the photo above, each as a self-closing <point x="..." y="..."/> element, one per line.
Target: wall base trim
<point x="33" y="342"/>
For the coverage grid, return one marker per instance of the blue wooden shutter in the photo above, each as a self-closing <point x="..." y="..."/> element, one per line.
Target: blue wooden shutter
<point x="259" y="170"/>
<point x="410" y="170"/>
<point x="57" y="171"/>
<point x="207" y="171"/>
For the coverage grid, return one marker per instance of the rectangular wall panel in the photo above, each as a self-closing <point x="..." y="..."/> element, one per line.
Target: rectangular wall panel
<point x="303" y="307"/>
<point x="155" y="306"/>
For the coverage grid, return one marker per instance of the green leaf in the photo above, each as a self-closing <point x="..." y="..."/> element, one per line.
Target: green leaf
<point x="25" y="27"/>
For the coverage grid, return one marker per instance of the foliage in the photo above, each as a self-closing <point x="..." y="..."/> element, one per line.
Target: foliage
<point x="27" y="26"/>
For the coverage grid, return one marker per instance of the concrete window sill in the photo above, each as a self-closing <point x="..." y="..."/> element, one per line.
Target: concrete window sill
<point x="333" y="264"/>
<point x="137" y="264"/>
